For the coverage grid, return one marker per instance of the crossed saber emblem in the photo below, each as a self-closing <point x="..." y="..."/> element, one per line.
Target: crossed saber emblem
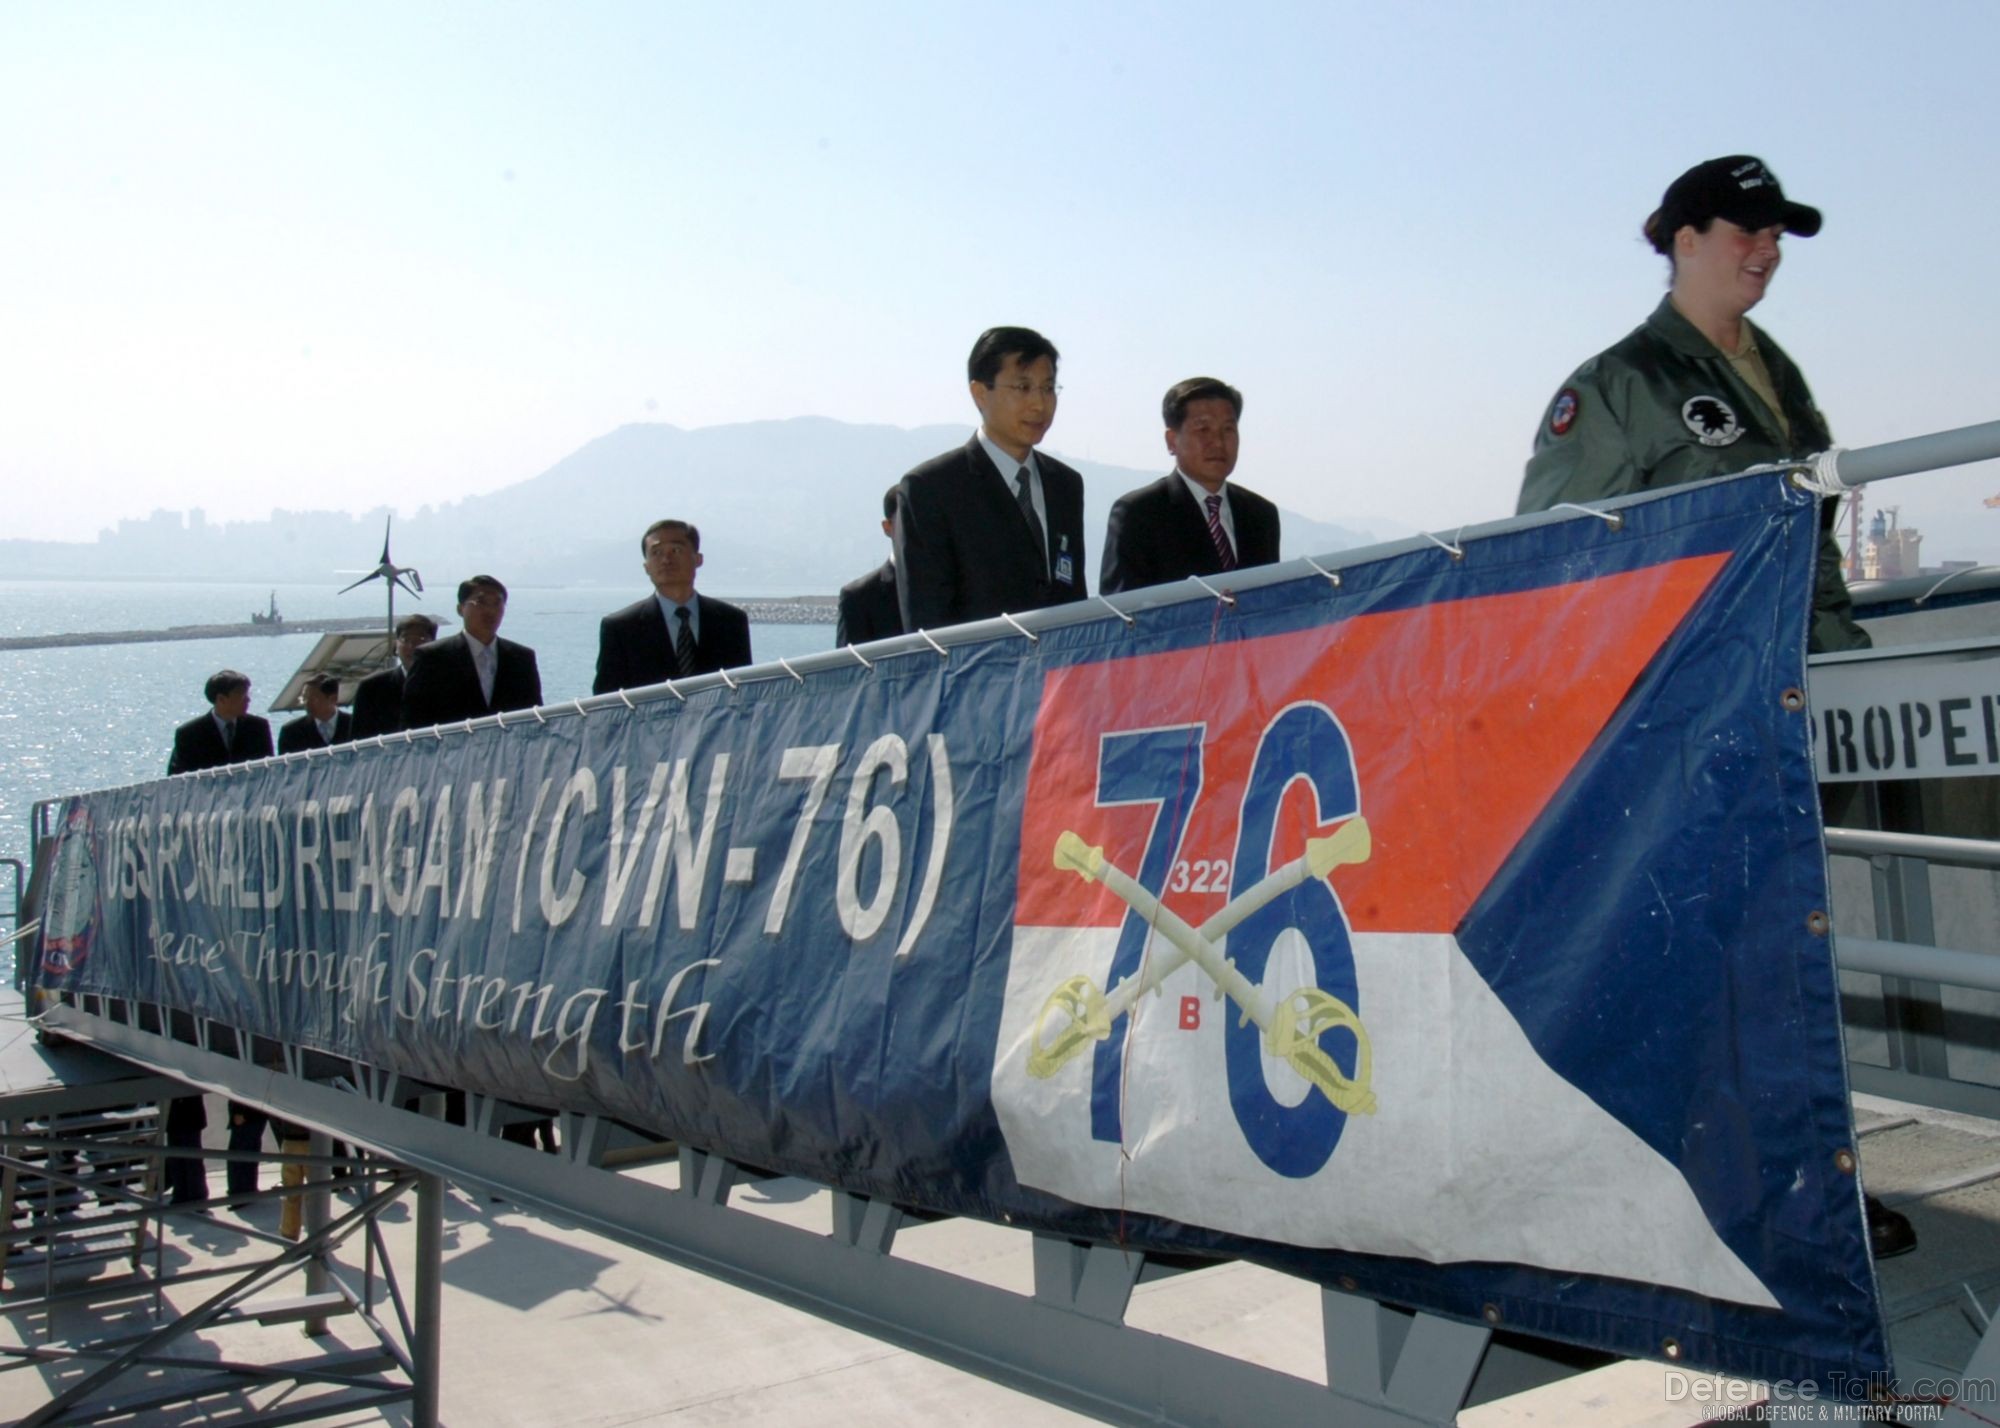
<point x="1082" y="1014"/>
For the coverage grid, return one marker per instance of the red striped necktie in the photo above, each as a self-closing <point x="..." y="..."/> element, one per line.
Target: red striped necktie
<point x="1223" y="549"/>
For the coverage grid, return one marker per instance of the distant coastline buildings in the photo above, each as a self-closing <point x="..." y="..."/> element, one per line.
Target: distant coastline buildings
<point x="785" y="504"/>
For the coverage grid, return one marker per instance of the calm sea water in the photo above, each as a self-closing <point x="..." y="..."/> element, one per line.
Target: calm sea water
<point x="99" y="716"/>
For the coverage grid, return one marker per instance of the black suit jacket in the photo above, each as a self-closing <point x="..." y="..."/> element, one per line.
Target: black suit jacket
<point x="378" y="704"/>
<point x="964" y="551"/>
<point x="634" y="648"/>
<point x="868" y="608"/>
<point x="302" y="733"/>
<point x="198" y="744"/>
<point x="1159" y="533"/>
<point x="442" y="686"/>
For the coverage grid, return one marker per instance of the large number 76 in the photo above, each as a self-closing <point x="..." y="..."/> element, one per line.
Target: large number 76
<point x="1163" y="767"/>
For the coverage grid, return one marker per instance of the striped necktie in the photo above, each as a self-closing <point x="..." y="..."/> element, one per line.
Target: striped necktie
<point x="683" y="643"/>
<point x="1223" y="549"/>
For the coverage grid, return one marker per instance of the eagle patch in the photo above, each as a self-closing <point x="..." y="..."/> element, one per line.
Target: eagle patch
<point x="1712" y="421"/>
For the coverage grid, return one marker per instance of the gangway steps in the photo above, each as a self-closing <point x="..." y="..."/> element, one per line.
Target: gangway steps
<point x="297" y="1309"/>
<point x="219" y="1381"/>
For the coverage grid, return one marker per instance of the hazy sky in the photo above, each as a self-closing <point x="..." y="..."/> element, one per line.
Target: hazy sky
<point x="345" y="255"/>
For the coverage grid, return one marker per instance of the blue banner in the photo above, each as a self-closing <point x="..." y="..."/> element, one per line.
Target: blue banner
<point x="1456" y="932"/>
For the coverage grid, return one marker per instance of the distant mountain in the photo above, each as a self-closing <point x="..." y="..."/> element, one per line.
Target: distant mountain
<point x="784" y="507"/>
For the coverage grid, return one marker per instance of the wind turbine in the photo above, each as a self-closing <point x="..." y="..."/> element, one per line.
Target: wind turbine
<point x="392" y="575"/>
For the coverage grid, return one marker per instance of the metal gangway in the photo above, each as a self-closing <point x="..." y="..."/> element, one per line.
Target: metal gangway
<point x="1067" y="1341"/>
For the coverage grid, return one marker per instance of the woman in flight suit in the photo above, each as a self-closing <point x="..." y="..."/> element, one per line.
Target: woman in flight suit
<point x="1698" y="390"/>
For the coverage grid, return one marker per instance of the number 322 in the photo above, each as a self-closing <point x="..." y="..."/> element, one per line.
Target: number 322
<point x="1202" y="876"/>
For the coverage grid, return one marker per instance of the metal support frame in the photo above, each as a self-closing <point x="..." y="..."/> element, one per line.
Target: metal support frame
<point x="77" y="1190"/>
<point x="1093" y="1280"/>
<point x="1913" y="969"/>
<point x="323" y="1384"/>
<point x="1902" y="887"/>
<point x="1416" y="1362"/>
<point x="426" y="1345"/>
<point x="1067" y="1342"/>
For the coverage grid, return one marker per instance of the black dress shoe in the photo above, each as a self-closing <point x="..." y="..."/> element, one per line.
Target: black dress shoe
<point x="1889" y="1231"/>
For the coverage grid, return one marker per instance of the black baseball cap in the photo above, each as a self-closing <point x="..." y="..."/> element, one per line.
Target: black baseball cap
<point x="1738" y="188"/>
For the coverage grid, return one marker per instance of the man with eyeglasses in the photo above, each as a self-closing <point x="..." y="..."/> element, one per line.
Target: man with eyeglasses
<point x="474" y="672"/>
<point x="996" y="526"/>
<point x="672" y="633"/>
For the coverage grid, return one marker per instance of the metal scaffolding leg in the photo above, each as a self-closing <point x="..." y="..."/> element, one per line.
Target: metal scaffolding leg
<point x="318" y="1208"/>
<point x="426" y="1342"/>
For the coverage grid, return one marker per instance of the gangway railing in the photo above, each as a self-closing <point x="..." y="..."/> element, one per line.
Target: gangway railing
<point x="14" y="935"/>
<point x="1931" y="452"/>
<point x="10" y="898"/>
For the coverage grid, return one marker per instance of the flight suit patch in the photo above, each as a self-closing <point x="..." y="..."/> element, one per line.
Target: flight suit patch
<point x="1712" y="421"/>
<point x="1562" y="414"/>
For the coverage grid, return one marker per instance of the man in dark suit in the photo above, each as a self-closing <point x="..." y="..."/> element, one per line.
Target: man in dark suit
<point x="227" y="734"/>
<point x="868" y="608"/>
<point x="378" y="699"/>
<point x="474" y="673"/>
<point x="997" y="526"/>
<point x="672" y="633"/>
<point x="323" y="724"/>
<point x="1191" y="521"/>
<point x="470" y="675"/>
